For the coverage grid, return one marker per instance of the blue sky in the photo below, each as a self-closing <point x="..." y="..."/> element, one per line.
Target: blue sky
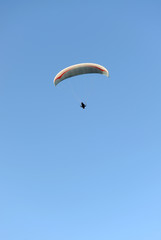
<point x="68" y="173"/>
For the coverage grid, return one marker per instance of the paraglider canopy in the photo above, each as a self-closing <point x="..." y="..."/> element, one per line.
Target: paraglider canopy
<point x="79" y="69"/>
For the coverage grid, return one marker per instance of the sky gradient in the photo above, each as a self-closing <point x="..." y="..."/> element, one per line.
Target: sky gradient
<point x="68" y="173"/>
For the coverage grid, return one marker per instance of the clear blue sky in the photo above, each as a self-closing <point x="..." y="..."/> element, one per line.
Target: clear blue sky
<point x="68" y="173"/>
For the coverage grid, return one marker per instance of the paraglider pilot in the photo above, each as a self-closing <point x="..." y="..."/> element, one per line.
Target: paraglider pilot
<point x="83" y="105"/>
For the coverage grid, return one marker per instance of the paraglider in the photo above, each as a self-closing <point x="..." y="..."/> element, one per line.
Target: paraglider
<point x="83" y="105"/>
<point x="78" y="69"/>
